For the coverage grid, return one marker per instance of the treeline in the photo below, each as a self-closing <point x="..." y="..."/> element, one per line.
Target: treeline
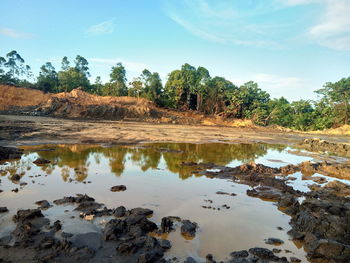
<point x="189" y="88"/>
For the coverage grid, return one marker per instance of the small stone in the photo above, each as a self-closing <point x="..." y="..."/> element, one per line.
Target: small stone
<point x="118" y="188"/>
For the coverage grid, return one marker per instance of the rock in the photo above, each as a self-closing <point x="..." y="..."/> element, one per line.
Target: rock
<point x="165" y="244"/>
<point x="190" y="260"/>
<point x="224" y="193"/>
<point x="119" y="211"/>
<point x="7" y="153"/>
<point x="41" y="161"/>
<point x="239" y="254"/>
<point x="15" y="177"/>
<point x="118" y="188"/>
<point x="262" y="253"/>
<point x="24" y="215"/>
<point x="43" y="204"/>
<point x="210" y="259"/>
<point x="276" y="250"/>
<point x="15" y="190"/>
<point x="274" y="241"/>
<point x="294" y="260"/>
<point x="188" y="228"/>
<point x="141" y="211"/>
<point x="166" y="225"/>
<point x="3" y="209"/>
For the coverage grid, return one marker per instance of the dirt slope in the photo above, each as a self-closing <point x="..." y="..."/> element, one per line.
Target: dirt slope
<point x="82" y="105"/>
<point x="11" y="97"/>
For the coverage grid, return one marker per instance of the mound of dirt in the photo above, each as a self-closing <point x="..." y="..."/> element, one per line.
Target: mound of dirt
<point x="82" y="105"/>
<point x="12" y="97"/>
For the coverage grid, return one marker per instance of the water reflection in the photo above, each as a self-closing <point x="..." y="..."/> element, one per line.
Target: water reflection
<point x="74" y="160"/>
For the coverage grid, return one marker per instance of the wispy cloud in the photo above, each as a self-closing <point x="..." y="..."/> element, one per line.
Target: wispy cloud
<point x="9" y="32"/>
<point x="129" y="65"/>
<point x="333" y="30"/>
<point x="225" y="22"/>
<point x="103" y="28"/>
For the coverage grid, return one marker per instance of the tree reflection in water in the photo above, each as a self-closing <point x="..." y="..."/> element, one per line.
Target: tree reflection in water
<point x="74" y="160"/>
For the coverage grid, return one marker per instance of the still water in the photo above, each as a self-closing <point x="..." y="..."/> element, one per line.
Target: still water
<point x="155" y="179"/>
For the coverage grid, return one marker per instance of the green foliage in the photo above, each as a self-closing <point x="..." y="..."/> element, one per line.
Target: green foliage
<point x="338" y="96"/>
<point x="71" y="79"/>
<point x="191" y="88"/>
<point x="48" y="78"/>
<point x="117" y="85"/>
<point x="12" y="68"/>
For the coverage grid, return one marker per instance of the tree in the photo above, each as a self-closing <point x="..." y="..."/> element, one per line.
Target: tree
<point x="117" y="85"/>
<point x="219" y="94"/>
<point x="13" y="68"/>
<point x="136" y="88"/>
<point x="65" y="63"/>
<point x="338" y="95"/>
<point x="71" y="79"/>
<point x="280" y="113"/>
<point x="303" y="115"/>
<point x="249" y="101"/>
<point x="81" y="65"/>
<point x="152" y="87"/>
<point x="48" y="78"/>
<point x="74" y="77"/>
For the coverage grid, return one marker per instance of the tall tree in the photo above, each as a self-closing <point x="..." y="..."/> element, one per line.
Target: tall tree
<point x="48" y="78"/>
<point x="65" y="63"/>
<point x="338" y="94"/>
<point x="117" y="85"/>
<point x="82" y="65"/>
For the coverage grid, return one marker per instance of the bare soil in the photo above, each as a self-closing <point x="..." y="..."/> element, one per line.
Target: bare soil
<point x="22" y="130"/>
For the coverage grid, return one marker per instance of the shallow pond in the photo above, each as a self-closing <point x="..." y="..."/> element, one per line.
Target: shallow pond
<point x="155" y="179"/>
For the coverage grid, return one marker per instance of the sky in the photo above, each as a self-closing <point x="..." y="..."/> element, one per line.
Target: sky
<point x="289" y="47"/>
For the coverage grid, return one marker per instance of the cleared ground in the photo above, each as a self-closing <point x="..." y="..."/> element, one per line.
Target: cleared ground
<point x="18" y="130"/>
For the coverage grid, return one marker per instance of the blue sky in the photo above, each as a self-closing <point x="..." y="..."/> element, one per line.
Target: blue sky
<point x="290" y="47"/>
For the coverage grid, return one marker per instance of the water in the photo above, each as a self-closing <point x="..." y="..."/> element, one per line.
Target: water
<point x="155" y="179"/>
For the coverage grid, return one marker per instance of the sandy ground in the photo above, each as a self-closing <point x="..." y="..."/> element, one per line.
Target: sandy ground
<point x="26" y="130"/>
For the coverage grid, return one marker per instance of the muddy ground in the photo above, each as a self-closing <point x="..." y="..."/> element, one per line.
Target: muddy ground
<point x="21" y="130"/>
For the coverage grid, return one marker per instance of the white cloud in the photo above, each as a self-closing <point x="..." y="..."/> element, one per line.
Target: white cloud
<point x="9" y="32"/>
<point x="106" y="27"/>
<point x="333" y="30"/>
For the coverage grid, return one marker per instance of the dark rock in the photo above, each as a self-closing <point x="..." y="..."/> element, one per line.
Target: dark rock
<point x="43" y="204"/>
<point x="118" y="188"/>
<point x="188" y="228"/>
<point x="239" y="254"/>
<point x="190" y="260"/>
<point x="41" y="161"/>
<point x="166" y="225"/>
<point x="224" y="193"/>
<point x="15" y="190"/>
<point x="141" y="211"/>
<point x="24" y="215"/>
<point x="294" y="260"/>
<point x="274" y="241"/>
<point x="165" y="244"/>
<point x="7" y="153"/>
<point x="119" y="211"/>
<point x="262" y="253"/>
<point x="15" y="177"/>
<point x="150" y="257"/>
<point x="3" y="209"/>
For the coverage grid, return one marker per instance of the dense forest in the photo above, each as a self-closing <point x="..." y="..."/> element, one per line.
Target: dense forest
<point x="189" y="88"/>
